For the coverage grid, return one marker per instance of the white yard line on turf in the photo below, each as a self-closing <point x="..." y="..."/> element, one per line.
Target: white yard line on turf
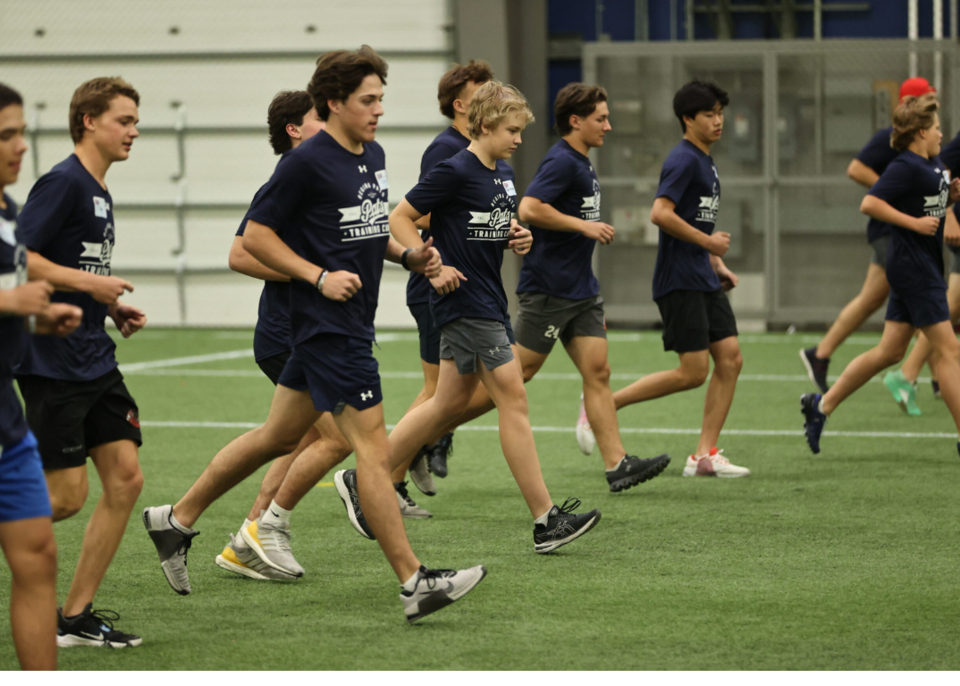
<point x="194" y="359"/>
<point x="570" y="429"/>
<point x="542" y="376"/>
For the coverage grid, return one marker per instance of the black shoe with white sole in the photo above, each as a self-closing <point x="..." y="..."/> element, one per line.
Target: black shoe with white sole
<point x="172" y="546"/>
<point x="441" y="451"/>
<point x="632" y="471"/>
<point x="563" y="526"/>
<point x="816" y="368"/>
<point x="92" y="628"/>
<point x="346" y="483"/>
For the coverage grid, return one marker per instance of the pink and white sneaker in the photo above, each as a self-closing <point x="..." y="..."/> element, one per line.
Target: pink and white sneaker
<point x="713" y="464"/>
<point x="585" y="437"/>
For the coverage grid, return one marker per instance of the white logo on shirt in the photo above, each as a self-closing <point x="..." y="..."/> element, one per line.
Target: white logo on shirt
<point x="493" y="225"/>
<point x="96" y="257"/>
<point x="369" y="218"/>
<point x="362" y="169"/>
<point x="936" y="205"/>
<point x="8" y="231"/>
<point x="709" y="205"/>
<point x="18" y="277"/>
<point x="590" y="209"/>
<point x="100" y="206"/>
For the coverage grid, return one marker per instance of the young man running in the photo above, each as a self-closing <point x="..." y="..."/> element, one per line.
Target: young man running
<point x="559" y="294"/>
<point x="76" y="401"/>
<point x="902" y="383"/>
<point x="471" y="198"/>
<point x="330" y="198"/>
<point x="865" y="169"/>
<point x="291" y="120"/>
<point x="455" y="91"/>
<point x="690" y="278"/>
<point x="912" y="195"/>
<point x="26" y="526"/>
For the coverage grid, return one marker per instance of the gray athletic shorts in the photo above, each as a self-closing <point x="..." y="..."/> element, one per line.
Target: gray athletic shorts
<point x="544" y="318"/>
<point x="954" y="260"/>
<point x="880" y="247"/>
<point x="467" y="338"/>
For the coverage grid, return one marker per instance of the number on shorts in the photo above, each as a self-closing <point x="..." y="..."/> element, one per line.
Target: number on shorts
<point x="553" y="332"/>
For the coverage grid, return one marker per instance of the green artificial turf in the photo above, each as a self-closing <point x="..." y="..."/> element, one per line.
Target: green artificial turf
<point x="845" y="560"/>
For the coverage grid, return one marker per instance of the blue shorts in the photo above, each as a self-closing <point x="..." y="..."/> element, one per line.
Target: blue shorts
<point x="23" y="488"/>
<point x="919" y="309"/>
<point x="430" y="332"/>
<point x="337" y="370"/>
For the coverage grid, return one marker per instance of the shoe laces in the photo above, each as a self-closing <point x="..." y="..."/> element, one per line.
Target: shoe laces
<point x="432" y="576"/>
<point x="715" y="457"/>
<point x="185" y="545"/>
<point x="446" y="443"/>
<point x="402" y="490"/>
<point x="105" y="618"/>
<point x="280" y="537"/>
<point x="569" y="505"/>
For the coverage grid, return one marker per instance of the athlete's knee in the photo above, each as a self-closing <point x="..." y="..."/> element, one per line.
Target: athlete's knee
<point x="598" y="374"/>
<point x="37" y="563"/>
<point x="892" y="353"/>
<point x="693" y="375"/>
<point x="67" y="502"/>
<point x="729" y="365"/>
<point x="950" y="349"/>
<point x="125" y="482"/>
<point x="529" y="372"/>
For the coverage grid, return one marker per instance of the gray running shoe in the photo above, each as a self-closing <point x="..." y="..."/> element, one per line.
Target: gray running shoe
<point x="241" y="559"/>
<point x="346" y="483"/>
<point x="272" y="545"/>
<point x="438" y="588"/>
<point x="420" y="473"/>
<point x="408" y="508"/>
<point x="172" y="546"/>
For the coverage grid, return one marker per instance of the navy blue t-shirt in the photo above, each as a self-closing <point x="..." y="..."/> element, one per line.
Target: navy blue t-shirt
<point x="272" y="335"/>
<point x="877" y="154"/>
<point x="920" y="188"/>
<point x="470" y="208"/>
<point x="13" y="337"/>
<point x="690" y="179"/>
<point x="331" y="205"/>
<point x="447" y="144"/>
<point x="558" y="264"/>
<point x="68" y="219"/>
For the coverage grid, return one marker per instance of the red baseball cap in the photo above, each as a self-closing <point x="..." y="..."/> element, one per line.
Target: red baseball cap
<point x="916" y="87"/>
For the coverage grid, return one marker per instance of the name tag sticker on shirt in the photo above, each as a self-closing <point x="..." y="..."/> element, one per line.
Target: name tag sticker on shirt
<point x="8" y="281"/>
<point x="7" y="232"/>
<point x="382" y="179"/>
<point x="100" y="206"/>
<point x="508" y="187"/>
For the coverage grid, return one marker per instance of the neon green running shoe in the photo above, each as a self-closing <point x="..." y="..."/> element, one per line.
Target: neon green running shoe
<point x="904" y="393"/>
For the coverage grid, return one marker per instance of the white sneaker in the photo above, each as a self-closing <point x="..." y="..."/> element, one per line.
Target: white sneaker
<point x="437" y="588"/>
<point x="272" y="545"/>
<point x="714" y="464"/>
<point x="585" y="438"/>
<point x="239" y="558"/>
<point x="408" y="508"/>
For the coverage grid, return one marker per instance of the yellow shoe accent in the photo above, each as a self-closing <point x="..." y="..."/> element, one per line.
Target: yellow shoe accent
<point x="231" y="557"/>
<point x="251" y="531"/>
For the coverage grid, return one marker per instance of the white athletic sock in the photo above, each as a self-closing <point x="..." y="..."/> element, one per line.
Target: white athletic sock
<point x="820" y="407"/>
<point x="246" y="523"/>
<point x="617" y="466"/>
<point x="542" y="519"/>
<point x="275" y="515"/>
<point x="411" y="584"/>
<point x="178" y="526"/>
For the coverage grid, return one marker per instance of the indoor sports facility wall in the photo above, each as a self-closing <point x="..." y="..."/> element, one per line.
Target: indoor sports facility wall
<point x="799" y="112"/>
<point x="206" y="72"/>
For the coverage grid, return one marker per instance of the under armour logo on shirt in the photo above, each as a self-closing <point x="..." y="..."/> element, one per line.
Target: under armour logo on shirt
<point x="362" y="168"/>
<point x="498" y="182"/>
<point x="366" y="395"/>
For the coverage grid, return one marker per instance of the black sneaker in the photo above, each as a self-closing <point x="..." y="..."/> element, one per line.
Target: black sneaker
<point x="563" y="526"/>
<point x="346" y="482"/>
<point x="815" y="419"/>
<point x="438" y="456"/>
<point x="632" y="471"/>
<point x="816" y="368"/>
<point x="172" y="546"/>
<point x="93" y="629"/>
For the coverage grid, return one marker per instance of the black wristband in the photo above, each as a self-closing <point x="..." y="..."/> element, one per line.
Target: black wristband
<point x="403" y="259"/>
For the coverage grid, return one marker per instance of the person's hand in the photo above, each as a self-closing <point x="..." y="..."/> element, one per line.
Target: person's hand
<point x="926" y="226"/>
<point x="448" y="280"/>
<point x="598" y="231"/>
<point x="425" y="259"/>
<point x="106" y="289"/>
<point x="129" y="319"/>
<point x="955" y="190"/>
<point x="520" y="239"/>
<point x="30" y="298"/>
<point x="951" y="230"/>
<point x="340" y="286"/>
<point x="718" y="243"/>
<point x="59" y="319"/>
<point x="728" y="279"/>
